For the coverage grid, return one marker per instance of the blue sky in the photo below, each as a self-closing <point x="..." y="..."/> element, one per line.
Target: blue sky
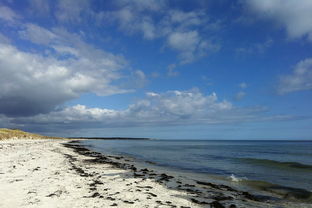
<point x="163" y="69"/>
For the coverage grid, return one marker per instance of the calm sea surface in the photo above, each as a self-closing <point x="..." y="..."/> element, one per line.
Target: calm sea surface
<point x="286" y="163"/>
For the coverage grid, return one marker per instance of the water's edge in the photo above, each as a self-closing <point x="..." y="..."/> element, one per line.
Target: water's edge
<point x="255" y="190"/>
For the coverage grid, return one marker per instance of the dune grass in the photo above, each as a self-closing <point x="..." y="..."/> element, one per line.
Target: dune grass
<point x="19" y="134"/>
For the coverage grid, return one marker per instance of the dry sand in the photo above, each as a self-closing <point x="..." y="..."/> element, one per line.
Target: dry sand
<point x="45" y="173"/>
<point x="36" y="173"/>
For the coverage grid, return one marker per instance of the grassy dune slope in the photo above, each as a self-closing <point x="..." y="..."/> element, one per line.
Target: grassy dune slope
<point x="19" y="134"/>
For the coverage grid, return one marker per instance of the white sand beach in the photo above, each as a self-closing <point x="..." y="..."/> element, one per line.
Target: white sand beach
<point x="45" y="173"/>
<point x="35" y="173"/>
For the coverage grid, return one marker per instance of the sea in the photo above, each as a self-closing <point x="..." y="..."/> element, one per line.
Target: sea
<point x="282" y="163"/>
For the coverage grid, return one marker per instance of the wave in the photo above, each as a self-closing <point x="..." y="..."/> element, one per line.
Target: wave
<point x="278" y="164"/>
<point x="286" y="192"/>
<point x="274" y="190"/>
<point x="234" y="178"/>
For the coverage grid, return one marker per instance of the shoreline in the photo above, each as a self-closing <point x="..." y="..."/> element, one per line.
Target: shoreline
<point x="64" y="173"/>
<point x="270" y="194"/>
<point x="260" y="188"/>
<point x="221" y="193"/>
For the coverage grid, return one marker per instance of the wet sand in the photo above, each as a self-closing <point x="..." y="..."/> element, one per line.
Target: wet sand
<point x="62" y="173"/>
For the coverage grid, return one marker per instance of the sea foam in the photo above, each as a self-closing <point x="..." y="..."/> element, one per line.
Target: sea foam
<point x="234" y="178"/>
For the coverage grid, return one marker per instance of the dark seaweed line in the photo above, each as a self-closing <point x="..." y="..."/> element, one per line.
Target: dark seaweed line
<point x="197" y="191"/>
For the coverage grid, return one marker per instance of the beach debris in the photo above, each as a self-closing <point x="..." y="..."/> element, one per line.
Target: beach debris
<point x="56" y="193"/>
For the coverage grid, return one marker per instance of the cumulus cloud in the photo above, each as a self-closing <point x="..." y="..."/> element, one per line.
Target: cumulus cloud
<point x="169" y="108"/>
<point x="56" y="67"/>
<point x="31" y="83"/>
<point x="36" y="82"/>
<point x="190" y="45"/>
<point x="176" y="105"/>
<point x="300" y="79"/>
<point x="295" y="16"/>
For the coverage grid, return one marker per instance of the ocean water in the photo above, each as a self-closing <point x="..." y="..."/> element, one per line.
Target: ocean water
<point x="285" y="163"/>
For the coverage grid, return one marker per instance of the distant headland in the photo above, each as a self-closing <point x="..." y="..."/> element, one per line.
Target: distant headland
<point x="112" y="138"/>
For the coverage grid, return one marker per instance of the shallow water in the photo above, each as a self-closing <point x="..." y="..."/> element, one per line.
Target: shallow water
<point x="286" y="163"/>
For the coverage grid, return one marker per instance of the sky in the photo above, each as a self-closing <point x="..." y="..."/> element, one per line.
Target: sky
<point x="168" y="69"/>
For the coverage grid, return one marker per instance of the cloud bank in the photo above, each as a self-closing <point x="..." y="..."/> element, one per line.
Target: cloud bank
<point x="171" y="108"/>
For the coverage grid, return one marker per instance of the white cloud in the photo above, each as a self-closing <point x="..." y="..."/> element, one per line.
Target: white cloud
<point x="300" y="79"/>
<point x="37" y="34"/>
<point x="182" y="31"/>
<point x="64" y="43"/>
<point x="131" y="21"/>
<point x="294" y="15"/>
<point x="186" y="19"/>
<point x="184" y="41"/>
<point x="190" y="45"/>
<point x="180" y="21"/>
<point x="172" y="107"/>
<point x="8" y="14"/>
<point x="150" y="18"/>
<point x="148" y="28"/>
<point x="32" y="82"/>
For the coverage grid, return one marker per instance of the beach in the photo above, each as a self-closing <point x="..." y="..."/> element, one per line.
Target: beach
<point x="62" y="173"/>
<point x="155" y="103"/>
